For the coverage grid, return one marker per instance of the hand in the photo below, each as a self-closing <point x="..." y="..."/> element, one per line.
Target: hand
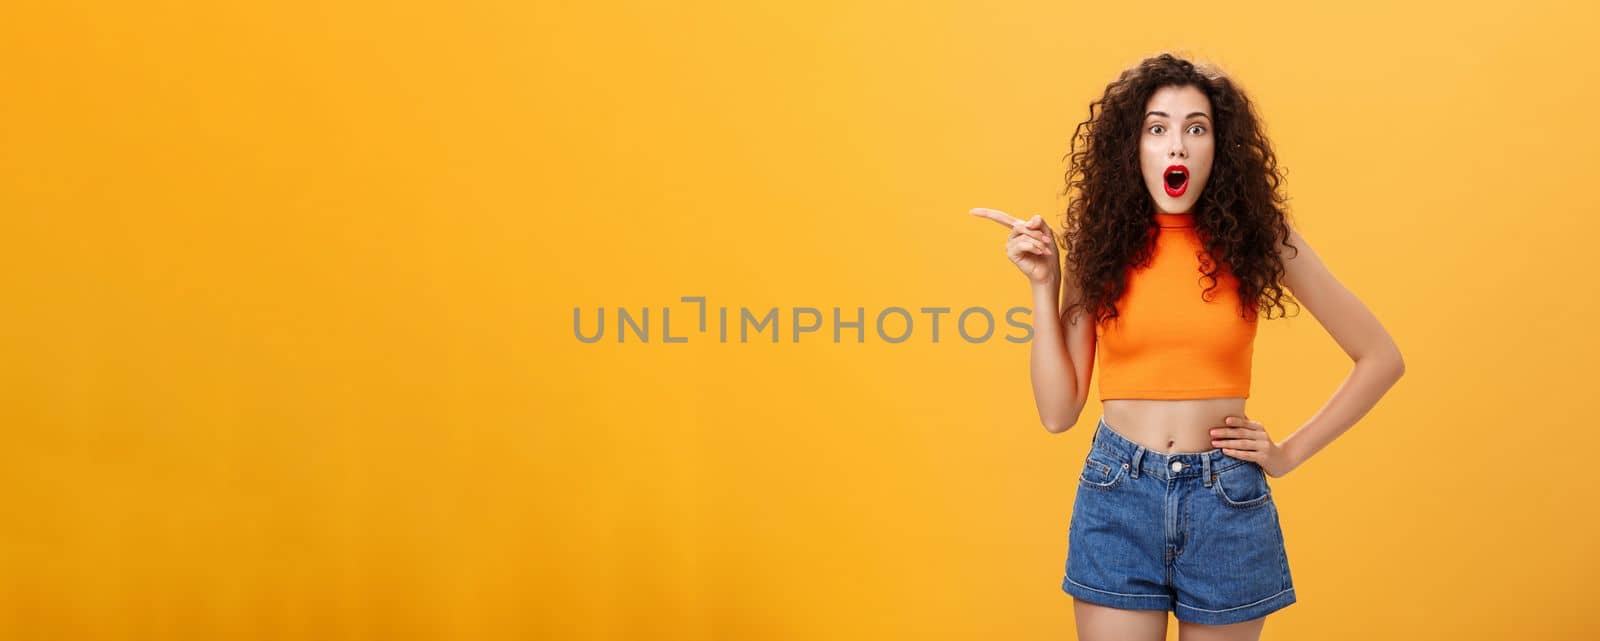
<point x="1248" y="440"/>
<point x="1031" y="246"/>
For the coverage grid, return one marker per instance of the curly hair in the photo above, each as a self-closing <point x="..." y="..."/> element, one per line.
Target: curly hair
<point x="1109" y="227"/>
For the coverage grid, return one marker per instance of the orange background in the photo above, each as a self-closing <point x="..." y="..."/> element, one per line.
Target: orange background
<point x="289" y="294"/>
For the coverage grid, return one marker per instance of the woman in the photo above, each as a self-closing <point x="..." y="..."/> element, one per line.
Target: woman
<point x="1175" y="241"/>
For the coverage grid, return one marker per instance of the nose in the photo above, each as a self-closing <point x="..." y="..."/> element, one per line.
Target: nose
<point x="1177" y="151"/>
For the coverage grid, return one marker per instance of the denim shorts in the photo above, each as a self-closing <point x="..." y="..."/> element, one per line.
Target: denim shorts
<point x="1195" y="533"/>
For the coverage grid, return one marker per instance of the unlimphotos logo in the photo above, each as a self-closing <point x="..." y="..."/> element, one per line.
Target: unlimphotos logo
<point x="893" y="324"/>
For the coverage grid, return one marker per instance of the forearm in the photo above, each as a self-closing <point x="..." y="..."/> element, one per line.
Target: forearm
<point x="1050" y="365"/>
<point x="1368" y="381"/>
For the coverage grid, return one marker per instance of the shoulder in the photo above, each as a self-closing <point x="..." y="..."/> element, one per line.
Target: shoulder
<point x="1294" y="249"/>
<point x="1297" y="242"/>
<point x="1304" y="272"/>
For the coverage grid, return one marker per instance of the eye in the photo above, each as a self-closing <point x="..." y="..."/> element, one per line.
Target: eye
<point x="1200" y="127"/>
<point x="1153" y="129"/>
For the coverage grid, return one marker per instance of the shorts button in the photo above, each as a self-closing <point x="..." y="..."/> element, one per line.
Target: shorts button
<point x="1177" y="466"/>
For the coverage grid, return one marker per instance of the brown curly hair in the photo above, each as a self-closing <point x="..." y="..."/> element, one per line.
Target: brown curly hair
<point x="1109" y="227"/>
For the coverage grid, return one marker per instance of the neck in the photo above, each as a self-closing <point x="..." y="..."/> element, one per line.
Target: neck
<point x="1166" y="219"/>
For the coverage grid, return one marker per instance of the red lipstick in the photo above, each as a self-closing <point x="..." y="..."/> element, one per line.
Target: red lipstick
<point x="1176" y="180"/>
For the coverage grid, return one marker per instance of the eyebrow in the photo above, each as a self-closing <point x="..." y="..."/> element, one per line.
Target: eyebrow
<point x="1163" y="114"/>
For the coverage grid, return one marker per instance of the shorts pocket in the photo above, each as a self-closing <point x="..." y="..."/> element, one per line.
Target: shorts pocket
<point x="1243" y="486"/>
<point x="1102" y="473"/>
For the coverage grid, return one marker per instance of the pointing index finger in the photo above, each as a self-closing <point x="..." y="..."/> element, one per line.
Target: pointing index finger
<point x="995" y="215"/>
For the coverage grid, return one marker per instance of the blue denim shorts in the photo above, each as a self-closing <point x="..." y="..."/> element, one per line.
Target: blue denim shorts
<point x="1195" y="533"/>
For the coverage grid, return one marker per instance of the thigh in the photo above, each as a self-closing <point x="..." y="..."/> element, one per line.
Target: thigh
<point x="1241" y="631"/>
<point x="1100" y="622"/>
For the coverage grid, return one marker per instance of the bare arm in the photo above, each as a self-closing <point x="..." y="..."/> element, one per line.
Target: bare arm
<point x="1378" y="364"/>
<point x="1061" y="388"/>
<point x="1057" y="386"/>
<point x="1055" y="379"/>
<point x="1081" y="341"/>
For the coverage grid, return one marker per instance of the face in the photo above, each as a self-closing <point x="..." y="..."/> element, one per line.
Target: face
<point x="1176" y="147"/>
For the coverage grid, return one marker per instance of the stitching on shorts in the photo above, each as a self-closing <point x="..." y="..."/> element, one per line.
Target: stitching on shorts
<point x="1283" y="547"/>
<point x="1118" y="476"/>
<point x="1217" y="487"/>
<point x="1228" y="609"/>
<point x="1148" y="596"/>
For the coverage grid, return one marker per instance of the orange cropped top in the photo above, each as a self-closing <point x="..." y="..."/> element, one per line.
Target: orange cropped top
<point x="1168" y="342"/>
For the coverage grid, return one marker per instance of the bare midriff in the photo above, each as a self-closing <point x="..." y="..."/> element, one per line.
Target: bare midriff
<point x="1171" y="426"/>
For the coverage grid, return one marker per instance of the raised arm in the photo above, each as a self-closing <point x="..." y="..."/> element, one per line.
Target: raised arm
<point x="1031" y="246"/>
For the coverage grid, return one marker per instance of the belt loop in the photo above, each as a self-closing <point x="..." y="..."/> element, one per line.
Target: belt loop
<point x="1137" y="454"/>
<point x="1205" y="468"/>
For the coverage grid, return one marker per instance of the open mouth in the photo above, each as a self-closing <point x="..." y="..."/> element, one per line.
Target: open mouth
<point x="1176" y="179"/>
